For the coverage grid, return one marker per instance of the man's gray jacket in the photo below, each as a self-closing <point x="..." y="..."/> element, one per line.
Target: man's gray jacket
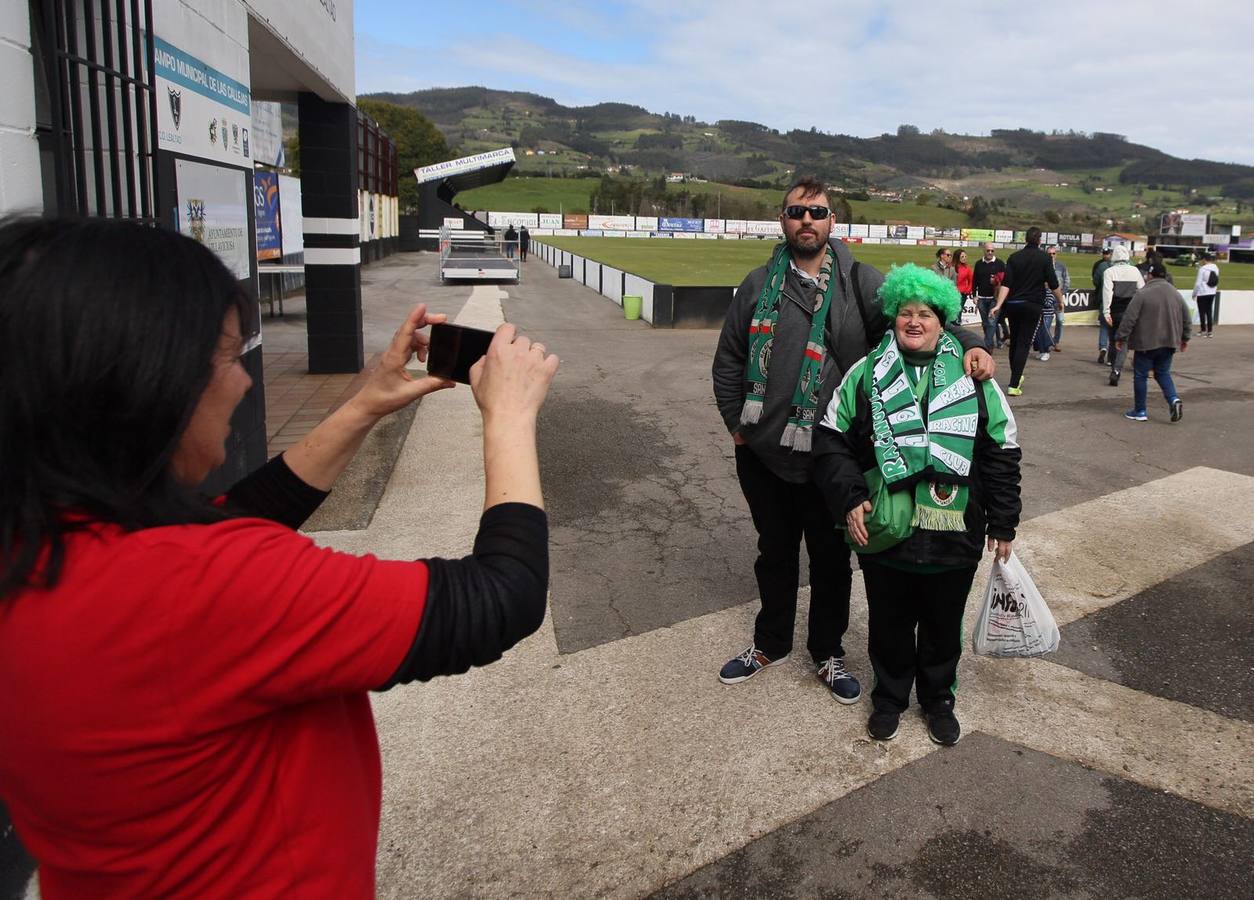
<point x="846" y="337"/>
<point x="1156" y="317"/>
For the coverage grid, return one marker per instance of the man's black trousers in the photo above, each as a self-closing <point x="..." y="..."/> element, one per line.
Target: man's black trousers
<point x="915" y="634"/>
<point x="783" y="513"/>
<point x="1024" y="317"/>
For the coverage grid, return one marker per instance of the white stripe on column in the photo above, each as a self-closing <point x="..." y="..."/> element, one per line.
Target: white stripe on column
<point x="332" y="226"/>
<point x="332" y="256"/>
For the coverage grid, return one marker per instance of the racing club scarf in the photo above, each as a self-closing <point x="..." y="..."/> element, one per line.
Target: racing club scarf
<point x="933" y="455"/>
<point x="797" y="434"/>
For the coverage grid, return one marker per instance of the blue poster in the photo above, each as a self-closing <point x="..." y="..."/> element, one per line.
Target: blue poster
<point x="669" y="224"/>
<point x="269" y="224"/>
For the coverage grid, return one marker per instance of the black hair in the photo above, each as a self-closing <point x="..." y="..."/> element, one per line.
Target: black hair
<point x="108" y="331"/>
<point x="941" y="251"/>
<point x="1034" y="235"/>
<point x="809" y="186"/>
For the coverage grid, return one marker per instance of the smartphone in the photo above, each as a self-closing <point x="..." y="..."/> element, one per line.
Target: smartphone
<point x="454" y="349"/>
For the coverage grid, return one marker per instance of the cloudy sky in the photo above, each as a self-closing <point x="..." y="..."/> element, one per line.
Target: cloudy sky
<point x="1181" y="83"/>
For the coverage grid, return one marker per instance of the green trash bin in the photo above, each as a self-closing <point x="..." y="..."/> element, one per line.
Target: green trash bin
<point x="631" y="306"/>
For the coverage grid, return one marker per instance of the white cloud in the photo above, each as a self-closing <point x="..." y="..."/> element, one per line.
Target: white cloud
<point x="862" y="67"/>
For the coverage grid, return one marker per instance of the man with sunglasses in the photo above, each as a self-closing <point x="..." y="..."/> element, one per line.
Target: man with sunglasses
<point x="989" y="272"/>
<point x="795" y="326"/>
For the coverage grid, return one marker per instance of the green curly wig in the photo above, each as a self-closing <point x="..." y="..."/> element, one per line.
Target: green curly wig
<point x="915" y="284"/>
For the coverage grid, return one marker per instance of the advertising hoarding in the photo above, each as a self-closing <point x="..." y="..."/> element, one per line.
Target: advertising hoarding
<point x="550" y="220"/>
<point x="669" y="223"/>
<point x="1184" y="224"/>
<point x="713" y="226"/>
<point x="1003" y="236"/>
<point x="506" y="219"/>
<point x="975" y="234"/>
<point x="465" y="164"/>
<point x="736" y="226"/>
<point x="576" y="221"/>
<point x="646" y="223"/>
<point x="267" y="215"/>
<point x="768" y="227"/>
<point x="877" y="231"/>
<point x="859" y="230"/>
<point x="612" y="223"/>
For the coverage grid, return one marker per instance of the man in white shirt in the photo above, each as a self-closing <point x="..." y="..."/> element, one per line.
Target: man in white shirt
<point x="1119" y="283"/>
<point x="1204" y="290"/>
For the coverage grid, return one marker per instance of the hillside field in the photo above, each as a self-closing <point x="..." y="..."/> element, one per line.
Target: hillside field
<point x="524" y="193"/>
<point x="721" y="262"/>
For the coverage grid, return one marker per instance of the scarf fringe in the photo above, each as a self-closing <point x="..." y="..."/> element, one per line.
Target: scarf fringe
<point x="751" y="412"/>
<point x="797" y="437"/>
<point x="930" y="518"/>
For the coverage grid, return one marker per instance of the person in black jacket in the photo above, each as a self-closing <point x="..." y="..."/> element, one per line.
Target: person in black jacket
<point x="794" y="326"/>
<point x="1022" y="294"/>
<point x="988" y="275"/>
<point x="922" y="464"/>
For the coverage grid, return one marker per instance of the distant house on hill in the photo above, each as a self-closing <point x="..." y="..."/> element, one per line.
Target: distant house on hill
<point x="1134" y="242"/>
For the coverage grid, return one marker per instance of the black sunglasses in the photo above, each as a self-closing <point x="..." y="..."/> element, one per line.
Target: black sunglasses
<point x="797" y="211"/>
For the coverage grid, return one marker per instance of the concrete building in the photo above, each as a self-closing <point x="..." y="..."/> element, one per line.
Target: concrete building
<point x="145" y="110"/>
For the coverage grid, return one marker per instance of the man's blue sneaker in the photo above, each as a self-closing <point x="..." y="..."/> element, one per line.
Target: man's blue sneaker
<point x="746" y="665"/>
<point x="1136" y="416"/>
<point x="839" y="681"/>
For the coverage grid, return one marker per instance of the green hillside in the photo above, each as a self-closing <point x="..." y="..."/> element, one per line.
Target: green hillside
<point x="1062" y="180"/>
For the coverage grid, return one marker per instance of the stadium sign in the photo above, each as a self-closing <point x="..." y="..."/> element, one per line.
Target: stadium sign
<point x="464" y="165"/>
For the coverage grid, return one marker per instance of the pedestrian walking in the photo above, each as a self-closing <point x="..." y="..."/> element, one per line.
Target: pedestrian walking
<point x="922" y="465"/>
<point x="1155" y="325"/>
<point x="793" y="328"/>
<point x="1205" y="290"/>
<point x="524" y="243"/>
<point x="1028" y="272"/>
<point x="1064" y="285"/>
<point x="1120" y="282"/>
<point x="1103" y="329"/>
<point x="511" y="242"/>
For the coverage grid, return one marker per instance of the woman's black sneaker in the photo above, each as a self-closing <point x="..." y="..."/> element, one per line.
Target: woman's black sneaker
<point x="882" y="725"/>
<point x="943" y="728"/>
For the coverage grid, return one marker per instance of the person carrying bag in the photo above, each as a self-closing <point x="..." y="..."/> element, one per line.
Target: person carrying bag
<point x="921" y="463"/>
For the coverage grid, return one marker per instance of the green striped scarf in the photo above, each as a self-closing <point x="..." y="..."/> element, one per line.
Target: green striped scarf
<point x="933" y="454"/>
<point x="797" y="434"/>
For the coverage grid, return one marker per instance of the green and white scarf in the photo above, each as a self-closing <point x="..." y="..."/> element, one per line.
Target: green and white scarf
<point x="933" y="454"/>
<point x="797" y="434"/>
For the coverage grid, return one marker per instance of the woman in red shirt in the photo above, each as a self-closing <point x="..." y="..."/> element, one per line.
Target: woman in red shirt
<point x="965" y="275"/>
<point x="185" y="681"/>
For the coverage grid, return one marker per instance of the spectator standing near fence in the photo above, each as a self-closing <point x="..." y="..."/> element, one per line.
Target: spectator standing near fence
<point x="1028" y="271"/>
<point x="1205" y="288"/>
<point x="511" y="241"/>
<point x="987" y="278"/>
<point x="524" y="243"/>
<point x="795" y="325"/>
<point x="1103" y="330"/>
<point x="944" y="265"/>
<point x="1155" y="324"/>
<point x="1119" y="283"/>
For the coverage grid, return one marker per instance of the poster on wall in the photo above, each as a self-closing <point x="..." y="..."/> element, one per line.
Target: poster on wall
<point x="213" y="209"/>
<point x="291" y="215"/>
<point x="200" y="110"/>
<point x="268" y="215"/>
<point x="267" y="134"/>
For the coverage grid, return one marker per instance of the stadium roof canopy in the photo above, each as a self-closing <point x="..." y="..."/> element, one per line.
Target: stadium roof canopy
<point x="457" y="175"/>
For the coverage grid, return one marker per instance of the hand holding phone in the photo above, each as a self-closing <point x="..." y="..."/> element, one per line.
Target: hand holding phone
<point x="454" y="349"/>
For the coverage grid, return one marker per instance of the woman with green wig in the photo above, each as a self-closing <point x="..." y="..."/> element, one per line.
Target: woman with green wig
<point x="921" y="463"/>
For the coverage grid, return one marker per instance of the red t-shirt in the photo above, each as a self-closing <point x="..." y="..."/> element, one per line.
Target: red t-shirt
<point x="185" y="713"/>
<point x="966" y="279"/>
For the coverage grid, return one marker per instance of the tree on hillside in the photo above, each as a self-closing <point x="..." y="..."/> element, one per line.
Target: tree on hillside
<point x="418" y="143"/>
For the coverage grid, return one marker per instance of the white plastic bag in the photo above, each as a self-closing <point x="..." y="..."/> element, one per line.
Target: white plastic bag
<point x="1014" y="620"/>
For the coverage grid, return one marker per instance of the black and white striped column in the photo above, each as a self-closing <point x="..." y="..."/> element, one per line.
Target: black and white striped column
<point x="328" y="185"/>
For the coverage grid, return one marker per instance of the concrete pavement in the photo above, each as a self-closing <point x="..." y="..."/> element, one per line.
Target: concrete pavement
<point x="602" y="757"/>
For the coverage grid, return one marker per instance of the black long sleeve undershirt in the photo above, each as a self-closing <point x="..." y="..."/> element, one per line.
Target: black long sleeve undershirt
<point x="276" y="493"/>
<point x="483" y="604"/>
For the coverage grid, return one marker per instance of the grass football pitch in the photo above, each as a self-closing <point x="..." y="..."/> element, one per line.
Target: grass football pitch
<point x="720" y="262"/>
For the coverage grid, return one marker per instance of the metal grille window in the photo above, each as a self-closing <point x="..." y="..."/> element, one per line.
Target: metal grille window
<point x="97" y="109"/>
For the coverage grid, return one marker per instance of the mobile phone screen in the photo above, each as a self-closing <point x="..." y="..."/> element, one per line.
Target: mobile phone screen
<point x="454" y="349"/>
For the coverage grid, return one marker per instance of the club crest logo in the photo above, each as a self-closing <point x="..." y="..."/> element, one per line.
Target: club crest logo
<point x="213" y="131"/>
<point x="196" y="219"/>
<point x="225" y="148"/>
<point x="943" y="495"/>
<point x="176" y="106"/>
<point x="235" y="135"/>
